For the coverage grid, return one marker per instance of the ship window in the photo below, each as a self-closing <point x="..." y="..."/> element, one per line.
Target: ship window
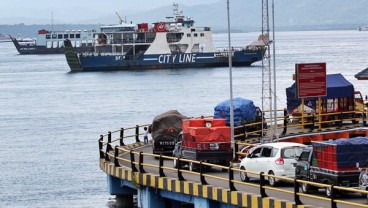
<point x="202" y="34"/>
<point x="60" y="36"/>
<point x="61" y="44"/>
<point x="54" y="44"/>
<point x="188" y="35"/>
<point x="178" y="48"/>
<point x="90" y="43"/>
<point x="48" y="44"/>
<point x="77" y="43"/>
<point x="48" y="36"/>
<point x="195" y="35"/>
<point x="195" y="48"/>
<point x="84" y="43"/>
<point x="54" y="36"/>
<point x="77" y="35"/>
<point x="71" y="35"/>
<point x="66" y="36"/>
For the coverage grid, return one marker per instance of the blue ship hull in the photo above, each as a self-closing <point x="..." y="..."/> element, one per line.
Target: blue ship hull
<point x="160" y="61"/>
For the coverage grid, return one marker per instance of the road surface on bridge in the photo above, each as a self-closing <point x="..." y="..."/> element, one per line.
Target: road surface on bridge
<point x="351" y="197"/>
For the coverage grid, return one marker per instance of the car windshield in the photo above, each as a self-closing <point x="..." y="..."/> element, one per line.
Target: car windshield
<point x="291" y="152"/>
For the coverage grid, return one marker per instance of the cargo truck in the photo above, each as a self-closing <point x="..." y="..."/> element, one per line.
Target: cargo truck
<point x="335" y="162"/>
<point x="341" y="97"/>
<point x="206" y="140"/>
<point x="165" y="129"/>
<point x="245" y="112"/>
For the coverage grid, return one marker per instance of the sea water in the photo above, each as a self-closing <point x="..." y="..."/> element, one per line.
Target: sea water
<point x="51" y="119"/>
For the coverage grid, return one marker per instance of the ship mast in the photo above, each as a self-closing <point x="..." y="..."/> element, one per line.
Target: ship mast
<point x="52" y="20"/>
<point x="176" y="11"/>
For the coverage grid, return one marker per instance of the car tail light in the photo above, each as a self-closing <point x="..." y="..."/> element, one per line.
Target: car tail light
<point x="279" y="161"/>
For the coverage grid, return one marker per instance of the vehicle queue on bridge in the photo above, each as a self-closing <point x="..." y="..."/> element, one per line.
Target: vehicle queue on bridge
<point x="316" y="145"/>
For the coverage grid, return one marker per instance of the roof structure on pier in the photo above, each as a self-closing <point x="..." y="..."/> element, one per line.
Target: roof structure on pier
<point x="363" y="75"/>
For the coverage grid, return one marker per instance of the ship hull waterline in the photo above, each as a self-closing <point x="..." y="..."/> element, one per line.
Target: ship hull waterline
<point x="159" y="61"/>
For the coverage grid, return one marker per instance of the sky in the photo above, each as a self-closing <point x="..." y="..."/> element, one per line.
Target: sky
<point x="76" y="11"/>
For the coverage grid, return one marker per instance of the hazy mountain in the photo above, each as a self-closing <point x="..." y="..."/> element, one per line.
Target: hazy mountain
<point x="245" y="15"/>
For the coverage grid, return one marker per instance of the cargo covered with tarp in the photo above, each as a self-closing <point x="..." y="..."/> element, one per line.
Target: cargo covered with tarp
<point x="207" y="130"/>
<point x="167" y="126"/>
<point x="337" y="87"/>
<point x="341" y="154"/>
<point x="165" y="129"/>
<point x="244" y="111"/>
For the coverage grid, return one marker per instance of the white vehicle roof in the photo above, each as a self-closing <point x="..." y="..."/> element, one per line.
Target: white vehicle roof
<point x="283" y="144"/>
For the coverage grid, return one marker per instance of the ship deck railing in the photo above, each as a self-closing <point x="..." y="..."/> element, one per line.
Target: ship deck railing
<point x="131" y="41"/>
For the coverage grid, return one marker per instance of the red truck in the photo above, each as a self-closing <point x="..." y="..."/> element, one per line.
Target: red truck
<point x="207" y="140"/>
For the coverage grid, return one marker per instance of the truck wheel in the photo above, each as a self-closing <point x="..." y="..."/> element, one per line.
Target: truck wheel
<point x="191" y="166"/>
<point x="306" y="188"/>
<point x="328" y="192"/>
<point x="243" y="175"/>
<point x="175" y="163"/>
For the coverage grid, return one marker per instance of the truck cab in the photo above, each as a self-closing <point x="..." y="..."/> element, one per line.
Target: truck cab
<point x="312" y="168"/>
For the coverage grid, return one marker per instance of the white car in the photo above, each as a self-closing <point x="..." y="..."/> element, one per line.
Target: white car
<point x="277" y="159"/>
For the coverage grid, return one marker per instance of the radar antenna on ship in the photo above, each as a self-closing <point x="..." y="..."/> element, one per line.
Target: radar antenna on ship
<point x="176" y="11"/>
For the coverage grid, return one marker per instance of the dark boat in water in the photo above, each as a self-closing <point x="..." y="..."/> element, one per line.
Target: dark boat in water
<point x="174" y="43"/>
<point x="52" y="42"/>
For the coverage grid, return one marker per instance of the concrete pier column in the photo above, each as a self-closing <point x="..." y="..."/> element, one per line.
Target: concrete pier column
<point x="204" y="203"/>
<point x="124" y="193"/>
<point x="124" y="201"/>
<point x="148" y="198"/>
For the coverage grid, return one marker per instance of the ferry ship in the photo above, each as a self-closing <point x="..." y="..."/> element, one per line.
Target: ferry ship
<point x="52" y="42"/>
<point x="363" y="28"/>
<point x="174" y="43"/>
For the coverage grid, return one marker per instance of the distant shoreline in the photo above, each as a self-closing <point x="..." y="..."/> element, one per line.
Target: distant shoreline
<point x="25" y="30"/>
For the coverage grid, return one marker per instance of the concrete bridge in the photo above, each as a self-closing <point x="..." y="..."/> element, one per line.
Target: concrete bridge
<point x="133" y="170"/>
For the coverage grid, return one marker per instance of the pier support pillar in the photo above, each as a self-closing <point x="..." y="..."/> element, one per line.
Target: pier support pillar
<point x="124" y="193"/>
<point x="205" y="203"/>
<point x="148" y="198"/>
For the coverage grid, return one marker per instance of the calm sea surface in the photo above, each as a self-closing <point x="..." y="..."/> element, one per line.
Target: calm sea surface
<point x="50" y="119"/>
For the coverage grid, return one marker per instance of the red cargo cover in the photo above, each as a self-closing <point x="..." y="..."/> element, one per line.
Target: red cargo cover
<point x="187" y="123"/>
<point x="212" y="134"/>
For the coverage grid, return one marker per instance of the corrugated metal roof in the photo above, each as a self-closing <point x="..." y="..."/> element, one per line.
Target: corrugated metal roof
<point x="363" y="75"/>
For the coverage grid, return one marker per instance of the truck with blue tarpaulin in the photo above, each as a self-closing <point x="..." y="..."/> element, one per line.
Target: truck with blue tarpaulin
<point x="245" y="112"/>
<point x="341" y="97"/>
